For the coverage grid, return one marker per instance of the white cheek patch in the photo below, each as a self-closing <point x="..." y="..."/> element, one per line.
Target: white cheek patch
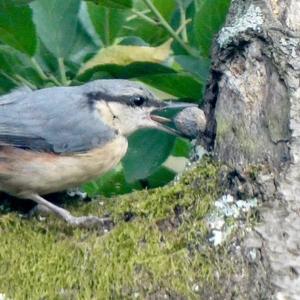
<point x="105" y="112"/>
<point x="123" y="118"/>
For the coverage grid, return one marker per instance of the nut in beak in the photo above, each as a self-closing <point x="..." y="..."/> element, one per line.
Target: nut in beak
<point x="163" y="122"/>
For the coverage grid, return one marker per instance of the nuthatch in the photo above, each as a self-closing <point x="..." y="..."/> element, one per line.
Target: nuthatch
<point x="60" y="137"/>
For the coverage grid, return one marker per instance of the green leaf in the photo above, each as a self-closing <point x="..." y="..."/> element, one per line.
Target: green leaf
<point x="110" y="184"/>
<point x="182" y="147"/>
<point x="121" y="4"/>
<point x="133" y="40"/>
<point x="208" y="21"/>
<point x="125" y="72"/>
<point x="21" y="2"/>
<point x="16" y="27"/>
<point x="151" y="33"/>
<point x="56" y="23"/>
<point x="17" y="66"/>
<point x="86" y="42"/>
<point x="161" y="177"/>
<point x="5" y="84"/>
<point x="199" y="66"/>
<point x="86" y="23"/>
<point x="148" y="149"/>
<point x="125" y="55"/>
<point x="165" y="7"/>
<point x="114" y="182"/>
<point x="108" y="22"/>
<point x="47" y="61"/>
<point x="83" y="48"/>
<point x="180" y="85"/>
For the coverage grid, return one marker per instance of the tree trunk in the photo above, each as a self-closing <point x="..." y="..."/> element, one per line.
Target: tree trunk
<point x="253" y="107"/>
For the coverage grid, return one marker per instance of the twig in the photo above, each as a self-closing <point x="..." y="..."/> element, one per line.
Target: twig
<point x="42" y="74"/>
<point x="39" y="69"/>
<point x="54" y="80"/>
<point x="183" y="26"/>
<point x="143" y="16"/>
<point x="183" y="22"/>
<point x="10" y="78"/>
<point x="168" y="28"/>
<point x="25" y="81"/>
<point x="62" y="71"/>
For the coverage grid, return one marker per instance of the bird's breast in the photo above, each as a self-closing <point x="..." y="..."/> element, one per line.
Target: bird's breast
<point x="23" y="172"/>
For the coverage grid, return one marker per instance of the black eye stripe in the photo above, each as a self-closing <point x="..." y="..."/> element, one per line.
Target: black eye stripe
<point x="145" y="101"/>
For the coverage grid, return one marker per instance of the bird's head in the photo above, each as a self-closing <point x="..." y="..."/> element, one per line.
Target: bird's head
<point x="128" y="106"/>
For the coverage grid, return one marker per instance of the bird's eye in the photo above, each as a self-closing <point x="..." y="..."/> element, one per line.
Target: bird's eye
<point x="138" y="100"/>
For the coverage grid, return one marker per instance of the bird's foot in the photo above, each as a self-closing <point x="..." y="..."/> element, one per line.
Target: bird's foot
<point x="106" y="224"/>
<point x="89" y="222"/>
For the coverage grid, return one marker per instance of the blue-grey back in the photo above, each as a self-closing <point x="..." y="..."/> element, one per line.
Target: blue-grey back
<point x="57" y="119"/>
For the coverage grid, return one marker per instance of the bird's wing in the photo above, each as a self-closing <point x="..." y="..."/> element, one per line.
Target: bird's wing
<point x="58" y="119"/>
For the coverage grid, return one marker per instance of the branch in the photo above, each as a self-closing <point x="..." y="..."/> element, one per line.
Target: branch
<point x="183" y="22"/>
<point x="62" y="71"/>
<point x="143" y="16"/>
<point x="42" y="74"/>
<point x="168" y="28"/>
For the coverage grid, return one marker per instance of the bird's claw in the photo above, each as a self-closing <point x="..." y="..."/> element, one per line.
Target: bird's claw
<point x="106" y="224"/>
<point x="90" y="222"/>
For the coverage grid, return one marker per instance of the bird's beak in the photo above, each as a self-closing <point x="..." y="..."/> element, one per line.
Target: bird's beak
<point x="163" y="122"/>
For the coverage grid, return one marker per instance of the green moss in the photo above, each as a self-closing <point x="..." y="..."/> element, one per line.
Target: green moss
<point x="253" y="171"/>
<point x="160" y="249"/>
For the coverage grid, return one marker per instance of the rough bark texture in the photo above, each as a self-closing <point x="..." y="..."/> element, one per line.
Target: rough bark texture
<point x="253" y="106"/>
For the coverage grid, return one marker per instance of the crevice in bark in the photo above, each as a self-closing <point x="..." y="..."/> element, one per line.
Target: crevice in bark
<point x="207" y="139"/>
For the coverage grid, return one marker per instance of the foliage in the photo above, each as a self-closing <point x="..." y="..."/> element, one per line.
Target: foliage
<point x="208" y="20"/>
<point x="163" y="43"/>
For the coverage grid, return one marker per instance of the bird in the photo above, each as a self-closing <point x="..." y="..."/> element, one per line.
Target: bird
<point x="56" y="138"/>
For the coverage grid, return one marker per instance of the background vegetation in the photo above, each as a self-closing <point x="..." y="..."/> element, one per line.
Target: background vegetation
<point x="163" y="43"/>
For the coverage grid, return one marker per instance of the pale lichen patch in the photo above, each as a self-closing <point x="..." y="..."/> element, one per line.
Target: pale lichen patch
<point x="252" y="19"/>
<point x="227" y="217"/>
<point x="275" y="7"/>
<point x="293" y="20"/>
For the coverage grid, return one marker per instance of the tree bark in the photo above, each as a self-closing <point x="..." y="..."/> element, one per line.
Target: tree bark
<point x="253" y="110"/>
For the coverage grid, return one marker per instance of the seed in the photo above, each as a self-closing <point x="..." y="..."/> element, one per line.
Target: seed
<point x="190" y="121"/>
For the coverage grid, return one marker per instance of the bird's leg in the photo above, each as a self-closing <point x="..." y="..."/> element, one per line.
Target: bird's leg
<point x="40" y="210"/>
<point x="84" y="221"/>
